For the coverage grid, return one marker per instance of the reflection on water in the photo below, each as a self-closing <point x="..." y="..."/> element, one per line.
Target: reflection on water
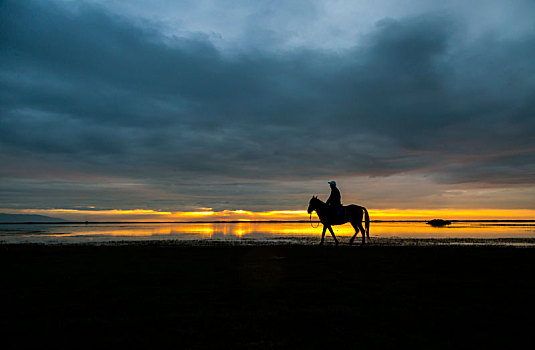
<point x="80" y="233"/>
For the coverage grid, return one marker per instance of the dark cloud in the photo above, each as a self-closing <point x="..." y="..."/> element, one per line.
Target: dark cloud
<point x="92" y="93"/>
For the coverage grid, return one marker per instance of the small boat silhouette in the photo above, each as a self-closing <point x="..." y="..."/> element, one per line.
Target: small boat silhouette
<point x="438" y="222"/>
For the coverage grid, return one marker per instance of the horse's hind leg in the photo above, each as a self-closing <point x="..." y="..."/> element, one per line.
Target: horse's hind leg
<point x="356" y="233"/>
<point x="332" y="233"/>
<point x="362" y="232"/>
<point x="367" y="232"/>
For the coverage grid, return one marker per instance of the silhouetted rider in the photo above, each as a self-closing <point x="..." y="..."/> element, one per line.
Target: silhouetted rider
<point x="335" y="199"/>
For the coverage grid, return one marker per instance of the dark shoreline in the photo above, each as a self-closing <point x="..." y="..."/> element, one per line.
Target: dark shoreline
<point x="272" y="296"/>
<point x="290" y="241"/>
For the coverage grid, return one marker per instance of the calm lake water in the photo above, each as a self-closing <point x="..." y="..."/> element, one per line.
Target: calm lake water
<point x="516" y="233"/>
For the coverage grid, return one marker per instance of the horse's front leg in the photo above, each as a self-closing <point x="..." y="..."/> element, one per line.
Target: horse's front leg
<point x="332" y="233"/>
<point x="323" y="234"/>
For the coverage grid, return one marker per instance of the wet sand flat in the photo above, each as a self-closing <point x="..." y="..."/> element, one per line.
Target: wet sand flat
<point x="269" y="296"/>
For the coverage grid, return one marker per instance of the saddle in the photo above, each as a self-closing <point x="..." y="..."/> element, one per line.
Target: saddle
<point x="337" y="216"/>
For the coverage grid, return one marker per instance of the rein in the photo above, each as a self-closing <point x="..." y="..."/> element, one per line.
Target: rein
<point x="311" y="222"/>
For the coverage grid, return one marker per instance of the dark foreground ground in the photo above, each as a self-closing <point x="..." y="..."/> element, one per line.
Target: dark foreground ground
<point x="267" y="296"/>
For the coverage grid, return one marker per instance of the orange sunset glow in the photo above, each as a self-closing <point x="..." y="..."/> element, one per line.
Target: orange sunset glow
<point x="143" y="215"/>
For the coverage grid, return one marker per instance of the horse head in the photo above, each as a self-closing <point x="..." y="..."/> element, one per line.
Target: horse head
<point x="312" y="205"/>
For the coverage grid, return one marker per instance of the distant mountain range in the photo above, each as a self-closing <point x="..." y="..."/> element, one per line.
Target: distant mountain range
<point x="19" y="218"/>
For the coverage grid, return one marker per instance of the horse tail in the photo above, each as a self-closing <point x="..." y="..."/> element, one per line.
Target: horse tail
<point x="367" y="221"/>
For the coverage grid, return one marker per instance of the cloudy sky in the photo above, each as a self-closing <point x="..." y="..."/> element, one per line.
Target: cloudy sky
<point x="182" y="106"/>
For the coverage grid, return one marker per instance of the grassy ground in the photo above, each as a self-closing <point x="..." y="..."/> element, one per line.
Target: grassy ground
<point x="267" y="296"/>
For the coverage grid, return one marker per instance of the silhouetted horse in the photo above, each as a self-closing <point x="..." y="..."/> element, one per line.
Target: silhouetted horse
<point x="352" y="213"/>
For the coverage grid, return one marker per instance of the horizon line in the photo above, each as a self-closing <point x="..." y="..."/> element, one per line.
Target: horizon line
<point x="208" y="215"/>
<point x="66" y="222"/>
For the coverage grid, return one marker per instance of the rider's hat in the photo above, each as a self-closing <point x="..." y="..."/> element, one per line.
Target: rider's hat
<point x="332" y="182"/>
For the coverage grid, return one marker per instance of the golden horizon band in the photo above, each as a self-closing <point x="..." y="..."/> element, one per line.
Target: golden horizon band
<point x="148" y="215"/>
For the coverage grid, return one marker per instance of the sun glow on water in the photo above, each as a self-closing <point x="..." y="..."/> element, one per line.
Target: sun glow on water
<point x="254" y="231"/>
